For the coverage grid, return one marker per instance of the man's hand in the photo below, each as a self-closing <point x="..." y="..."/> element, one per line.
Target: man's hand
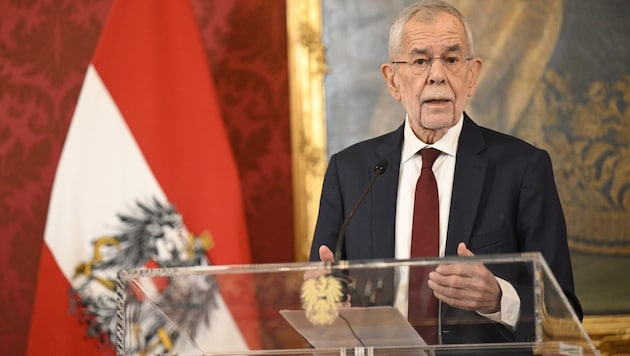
<point x="325" y="254"/>
<point x="466" y="286"/>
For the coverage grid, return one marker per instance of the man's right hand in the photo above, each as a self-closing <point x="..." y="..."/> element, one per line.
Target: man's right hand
<point x="325" y="254"/>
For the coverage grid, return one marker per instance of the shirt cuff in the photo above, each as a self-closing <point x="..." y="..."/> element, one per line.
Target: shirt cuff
<point x="510" y="306"/>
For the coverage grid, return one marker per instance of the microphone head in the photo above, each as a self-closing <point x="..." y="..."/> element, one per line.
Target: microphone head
<point x="380" y="167"/>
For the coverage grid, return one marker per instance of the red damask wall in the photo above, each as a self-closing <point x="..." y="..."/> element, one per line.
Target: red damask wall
<point x="45" y="48"/>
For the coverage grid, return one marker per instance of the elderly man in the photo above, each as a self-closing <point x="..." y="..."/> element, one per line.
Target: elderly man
<point x="492" y="193"/>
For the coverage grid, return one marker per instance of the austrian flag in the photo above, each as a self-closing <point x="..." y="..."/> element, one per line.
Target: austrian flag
<point x="147" y="179"/>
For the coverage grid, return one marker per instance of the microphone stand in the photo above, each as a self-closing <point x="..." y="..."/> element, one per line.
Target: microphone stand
<point x="343" y="278"/>
<point x="379" y="169"/>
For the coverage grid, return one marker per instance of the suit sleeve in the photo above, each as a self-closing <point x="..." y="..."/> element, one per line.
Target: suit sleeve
<point x="541" y="225"/>
<point x="331" y="212"/>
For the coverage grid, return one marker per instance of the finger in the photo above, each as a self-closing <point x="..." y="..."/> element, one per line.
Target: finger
<point x="325" y="254"/>
<point x="438" y="282"/>
<point x="449" y="294"/>
<point x="461" y="276"/>
<point x="480" y="293"/>
<point x="311" y="274"/>
<point x="457" y="269"/>
<point x="450" y="286"/>
<point x="462" y="250"/>
<point x="463" y="298"/>
<point x="457" y="302"/>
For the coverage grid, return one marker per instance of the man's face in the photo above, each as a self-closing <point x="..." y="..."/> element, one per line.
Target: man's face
<point x="434" y="95"/>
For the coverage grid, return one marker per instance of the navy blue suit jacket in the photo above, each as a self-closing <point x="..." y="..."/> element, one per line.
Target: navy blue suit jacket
<point x="504" y="200"/>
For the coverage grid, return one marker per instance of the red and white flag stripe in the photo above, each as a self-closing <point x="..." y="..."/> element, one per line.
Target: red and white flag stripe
<point x="147" y="126"/>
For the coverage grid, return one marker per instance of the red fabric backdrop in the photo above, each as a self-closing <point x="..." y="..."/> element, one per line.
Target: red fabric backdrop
<point x="45" y="47"/>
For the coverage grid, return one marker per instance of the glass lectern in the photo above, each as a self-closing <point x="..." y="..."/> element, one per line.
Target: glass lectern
<point x="346" y="308"/>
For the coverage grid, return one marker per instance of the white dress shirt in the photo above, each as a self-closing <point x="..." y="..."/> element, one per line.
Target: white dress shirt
<point x="444" y="170"/>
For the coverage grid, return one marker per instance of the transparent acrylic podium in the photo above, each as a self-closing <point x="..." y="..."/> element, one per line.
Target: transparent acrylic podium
<point x="350" y="308"/>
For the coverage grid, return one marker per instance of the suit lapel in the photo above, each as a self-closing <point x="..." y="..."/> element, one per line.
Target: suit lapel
<point x="384" y="192"/>
<point x="470" y="173"/>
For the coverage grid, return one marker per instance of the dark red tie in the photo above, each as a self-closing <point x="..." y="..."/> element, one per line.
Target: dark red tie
<point x="425" y="239"/>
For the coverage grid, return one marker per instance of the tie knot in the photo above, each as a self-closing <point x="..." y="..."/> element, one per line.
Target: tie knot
<point x="429" y="155"/>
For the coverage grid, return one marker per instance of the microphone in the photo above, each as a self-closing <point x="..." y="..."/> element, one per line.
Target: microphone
<point x="379" y="169"/>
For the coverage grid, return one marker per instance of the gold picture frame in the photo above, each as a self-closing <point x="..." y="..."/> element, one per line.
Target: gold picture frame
<point x="307" y="67"/>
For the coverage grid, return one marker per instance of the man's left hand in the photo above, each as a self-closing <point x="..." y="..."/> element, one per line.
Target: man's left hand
<point x="466" y="286"/>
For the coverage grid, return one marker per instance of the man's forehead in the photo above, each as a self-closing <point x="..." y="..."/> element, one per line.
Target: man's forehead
<point x="442" y="32"/>
<point x="424" y="42"/>
<point x="442" y="22"/>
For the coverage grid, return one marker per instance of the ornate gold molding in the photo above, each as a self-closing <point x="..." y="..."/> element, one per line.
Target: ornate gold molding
<point x="307" y="67"/>
<point x="610" y="333"/>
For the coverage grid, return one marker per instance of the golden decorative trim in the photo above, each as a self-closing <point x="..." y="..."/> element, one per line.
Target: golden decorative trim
<point x="307" y="67"/>
<point x="610" y="333"/>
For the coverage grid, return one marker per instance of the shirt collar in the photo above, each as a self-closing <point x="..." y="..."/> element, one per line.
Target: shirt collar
<point x="447" y="144"/>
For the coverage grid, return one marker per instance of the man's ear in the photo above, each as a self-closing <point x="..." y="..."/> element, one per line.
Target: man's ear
<point x="475" y="69"/>
<point x="391" y="79"/>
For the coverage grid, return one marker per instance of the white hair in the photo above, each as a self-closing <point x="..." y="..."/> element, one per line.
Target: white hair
<point x="429" y="9"/>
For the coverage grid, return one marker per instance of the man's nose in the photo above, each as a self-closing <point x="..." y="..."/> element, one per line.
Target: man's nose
<point x="436" y="72"/>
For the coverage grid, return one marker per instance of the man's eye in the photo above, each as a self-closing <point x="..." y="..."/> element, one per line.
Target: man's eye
<point x="451" y="60"/>
<point x="421" y="61"/>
